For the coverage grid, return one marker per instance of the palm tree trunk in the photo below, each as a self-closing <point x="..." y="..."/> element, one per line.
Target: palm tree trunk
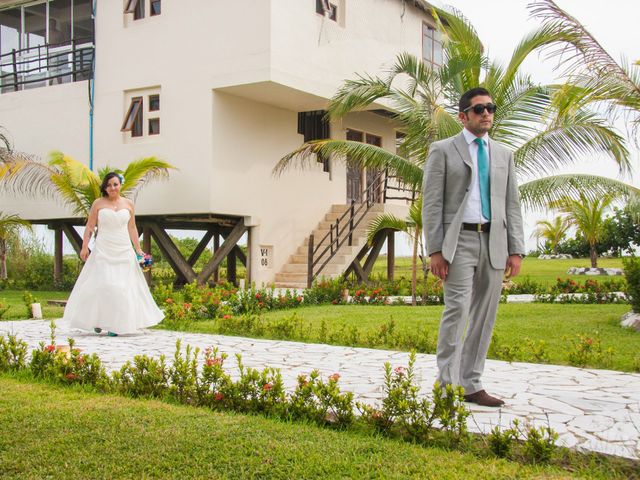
<point x="414" y="268"/>
<point x="594" y="256"/>
<point x="3" y="259"/>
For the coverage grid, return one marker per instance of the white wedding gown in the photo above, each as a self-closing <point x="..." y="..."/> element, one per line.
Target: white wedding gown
<point x="111" y="292"/>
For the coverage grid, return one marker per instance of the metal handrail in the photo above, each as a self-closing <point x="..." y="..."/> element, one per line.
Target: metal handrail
<point x="48" y="59"/>
<point x="343" y="229"/>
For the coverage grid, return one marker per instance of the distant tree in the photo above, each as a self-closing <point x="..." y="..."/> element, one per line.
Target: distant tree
<point x="587" y="215"/>
<point x="553" y="232"/>
<point x="9" y="226"/>
<point x="621" y="232"/>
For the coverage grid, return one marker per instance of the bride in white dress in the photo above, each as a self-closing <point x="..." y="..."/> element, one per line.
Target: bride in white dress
<point x="111" y="293"/>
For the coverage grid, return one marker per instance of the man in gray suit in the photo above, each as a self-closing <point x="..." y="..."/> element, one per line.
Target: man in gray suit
<point x="473" y="230"/>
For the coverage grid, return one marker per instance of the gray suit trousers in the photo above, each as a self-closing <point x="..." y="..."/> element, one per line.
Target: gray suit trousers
<point x="471" y="296"/>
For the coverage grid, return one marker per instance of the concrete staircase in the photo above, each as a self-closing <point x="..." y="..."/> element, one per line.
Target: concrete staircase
<point x="294" y="273"/>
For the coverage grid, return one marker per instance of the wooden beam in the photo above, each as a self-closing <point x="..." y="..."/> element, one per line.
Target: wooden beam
<point x="226" y="247"/>
<point x="216" y="246"/>
<point x="378" y="242"/>
<point x="391" y="254"/>
<point x="74" y="237"/>
<point x="357" y="269"/>
<point x="202" y="245"/>
<point x="231" y="267"/>
<point x="57" y="258"/>
<point x="172" y="254"/>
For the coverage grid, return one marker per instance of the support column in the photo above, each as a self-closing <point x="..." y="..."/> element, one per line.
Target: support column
<point x="391" y="254"/>
<point x="231" y="268"/>
<point x="216" y="246"/>
<point x="57" y="258"/>
<point x="146" y="248"/>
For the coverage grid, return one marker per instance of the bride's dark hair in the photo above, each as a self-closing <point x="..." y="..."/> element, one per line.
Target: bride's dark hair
<point x="105" y="180"/>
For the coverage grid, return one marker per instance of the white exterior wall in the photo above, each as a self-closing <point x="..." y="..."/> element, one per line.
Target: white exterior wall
<point x="232" y="77"/>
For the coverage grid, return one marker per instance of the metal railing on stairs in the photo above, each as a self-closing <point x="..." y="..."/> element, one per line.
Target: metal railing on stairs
<point x="341" y="231"/>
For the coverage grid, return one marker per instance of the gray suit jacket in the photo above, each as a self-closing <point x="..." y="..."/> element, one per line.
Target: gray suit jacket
<point x="446" y="187"/>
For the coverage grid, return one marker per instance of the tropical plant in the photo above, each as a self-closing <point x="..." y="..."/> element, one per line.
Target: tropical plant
<point x="548" y="127"/>
<point x="71" y="182"/>
<point x="587" y="215"/>
<point x="412" y="226"/>
<point x="589" y="65"/>
<point x="553" y="232"/>
<point x="9" y="225"/>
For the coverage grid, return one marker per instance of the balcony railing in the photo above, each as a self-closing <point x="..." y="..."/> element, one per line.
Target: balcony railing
<point x="48" y="64"/>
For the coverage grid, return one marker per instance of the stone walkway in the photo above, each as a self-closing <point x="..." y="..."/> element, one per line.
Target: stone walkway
<point x="596" y="410"/>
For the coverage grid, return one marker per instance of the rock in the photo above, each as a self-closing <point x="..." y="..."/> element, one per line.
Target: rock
<point x="631" y="319"/>
<point x="553" y="257"/>
<point x="594" y="271"/>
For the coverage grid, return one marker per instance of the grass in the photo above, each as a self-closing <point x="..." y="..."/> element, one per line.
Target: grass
<point x="542" y="271"/>
<point x="17" y="308"/>
<point x="555" y="324"/>
<point x="55" y="432"/>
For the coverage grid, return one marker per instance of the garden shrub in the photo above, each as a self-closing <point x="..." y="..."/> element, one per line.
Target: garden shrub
<point x="632" y="272"/>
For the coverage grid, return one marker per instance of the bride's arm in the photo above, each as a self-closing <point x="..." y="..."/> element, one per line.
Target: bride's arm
<point x="133" y="231"/>
<point x="88" y="231"/>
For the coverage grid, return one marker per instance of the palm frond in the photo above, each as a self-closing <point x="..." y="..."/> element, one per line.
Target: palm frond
<point x="10" y="223"/>
<point x="386" y="221"/>
<point x="140" y="172"/>
<point x="538" y="194"/>
<point x="352" y="153"/>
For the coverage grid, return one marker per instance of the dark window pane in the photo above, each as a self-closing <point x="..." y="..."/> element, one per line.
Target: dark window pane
<point x="35" y="27"/>
<point x="155" y="7"/>
<point x="154" y="126"/>
<point x="59" y="22"/>
<point x="83" y="20"/>
<point x="136" y="131"/>
<point x="9" y="30"/>
<point x="136" y="7"/>
<point x="154" y="103"/>
<point x="325" y="7"/>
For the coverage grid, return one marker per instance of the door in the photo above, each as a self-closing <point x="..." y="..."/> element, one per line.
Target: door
<point x="375" y="193"/>
<point x="354" y="174"/>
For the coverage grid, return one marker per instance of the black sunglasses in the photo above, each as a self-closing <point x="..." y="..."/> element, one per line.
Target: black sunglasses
<point x="479" y="108"/>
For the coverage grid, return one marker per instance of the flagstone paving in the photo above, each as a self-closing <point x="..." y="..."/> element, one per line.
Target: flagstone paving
<point x="597" y="410"/>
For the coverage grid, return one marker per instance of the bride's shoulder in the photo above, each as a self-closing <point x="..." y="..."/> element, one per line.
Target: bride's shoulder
<point x="97" y="204"/>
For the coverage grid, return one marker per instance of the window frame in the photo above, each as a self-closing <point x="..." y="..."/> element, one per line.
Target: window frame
<point x="133" y="119"/>
<point x="429" y="33"/>
<point x="326" y="6"/>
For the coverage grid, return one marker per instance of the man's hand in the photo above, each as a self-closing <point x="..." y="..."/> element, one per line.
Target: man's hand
<point x="439" y="266"/>
<point x="513" y="266"/>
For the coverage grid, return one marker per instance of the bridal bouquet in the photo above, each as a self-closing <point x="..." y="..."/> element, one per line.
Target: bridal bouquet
<point x="145" y="261"/>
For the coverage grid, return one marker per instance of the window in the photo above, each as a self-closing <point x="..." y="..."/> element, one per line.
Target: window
<point x="142" y="117"/>
<point x="154" y="103"/>
<point x="139" y="8"/>
<point x="155" y="7"/>
<point x="133" y="118"/>
<point x="154" y="126"/>
<point x="328" y="9"/>
<point x="431" y="45"/>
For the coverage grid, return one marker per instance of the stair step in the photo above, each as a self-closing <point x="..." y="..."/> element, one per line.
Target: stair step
<point x="331" y="267"/>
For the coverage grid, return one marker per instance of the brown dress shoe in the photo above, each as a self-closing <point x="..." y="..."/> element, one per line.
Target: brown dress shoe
<point x="484" y="399"/>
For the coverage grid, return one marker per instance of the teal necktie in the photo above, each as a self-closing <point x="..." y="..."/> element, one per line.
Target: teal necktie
<point x="483" y="178"/>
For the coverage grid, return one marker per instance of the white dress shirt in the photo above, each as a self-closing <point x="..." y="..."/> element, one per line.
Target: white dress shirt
<point x="473" y="209"/>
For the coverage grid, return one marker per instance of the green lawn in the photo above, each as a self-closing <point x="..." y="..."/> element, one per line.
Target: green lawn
<point x="515" y="323"/>
<point x="17" y="308"/>
<point x="56" y="432"/>
<point x="542" y="271"/>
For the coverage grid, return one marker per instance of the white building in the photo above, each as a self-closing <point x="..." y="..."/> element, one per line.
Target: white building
<point x="215" y="88"/>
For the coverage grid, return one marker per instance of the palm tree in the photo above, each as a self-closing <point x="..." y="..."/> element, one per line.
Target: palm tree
<point x="9" y="225"/>
<point x="412" y="226"/>
<point x="72" y="182"/>
<point x="547" y="126"/>
<point x="587" y="215"/>
<point x="588" y="64"/>
<point x="553" y="232"/>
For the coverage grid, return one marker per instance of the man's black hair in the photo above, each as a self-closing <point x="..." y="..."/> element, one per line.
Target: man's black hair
<point x="465" y="99"/>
